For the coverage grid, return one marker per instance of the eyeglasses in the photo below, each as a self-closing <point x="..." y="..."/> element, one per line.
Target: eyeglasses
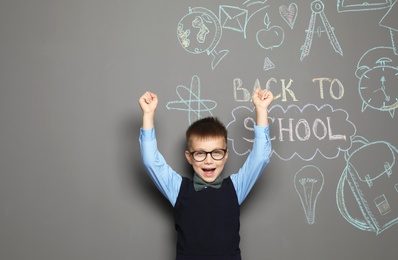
<point x="217" y="154"/>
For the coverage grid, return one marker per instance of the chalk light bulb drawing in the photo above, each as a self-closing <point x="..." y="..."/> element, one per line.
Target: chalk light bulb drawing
<point x="308" y="182"/>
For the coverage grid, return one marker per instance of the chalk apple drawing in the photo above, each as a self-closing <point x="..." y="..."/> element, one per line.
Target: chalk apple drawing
<point x="270" y="37"/>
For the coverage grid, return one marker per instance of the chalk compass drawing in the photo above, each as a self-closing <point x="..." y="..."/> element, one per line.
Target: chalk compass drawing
<point x="199" y="32"/>
<point x="317" y="8"/>
<point x="371" y="173"/>
<point x="377" y="76"/>
<point x="191" y="101"/>
<point x="367" y="5"/>
<point x="308" y="182"/>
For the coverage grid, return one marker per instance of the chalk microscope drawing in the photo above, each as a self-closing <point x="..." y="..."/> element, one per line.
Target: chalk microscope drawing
<point x="304" y="136"/>
<point x="371" y="173"/>
<point x="317" y="8"/>
<point x="200" y="30"/>
<point x="308" y="182"/>
<point x="190" y="101"/>
<point x="367" y="5"/>
<point x="377" y="71"/>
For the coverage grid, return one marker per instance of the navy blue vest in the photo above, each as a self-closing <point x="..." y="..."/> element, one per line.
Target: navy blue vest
<point x="207" y="222"/>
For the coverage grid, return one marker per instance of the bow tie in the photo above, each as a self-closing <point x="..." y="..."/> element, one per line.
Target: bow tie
<point x="199" y="184"/>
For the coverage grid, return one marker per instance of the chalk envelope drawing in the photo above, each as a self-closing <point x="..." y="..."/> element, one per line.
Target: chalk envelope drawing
<point x="191" y="102"/>
<point x="233" y="18"/>
<point x="308" y="182"/>
<point x="371" y="173"/>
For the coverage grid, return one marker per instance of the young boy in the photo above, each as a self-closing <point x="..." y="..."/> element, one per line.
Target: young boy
<point x="207" y="207"/>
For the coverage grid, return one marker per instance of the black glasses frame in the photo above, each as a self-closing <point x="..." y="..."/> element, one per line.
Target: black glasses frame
<point x="211" y="154"/>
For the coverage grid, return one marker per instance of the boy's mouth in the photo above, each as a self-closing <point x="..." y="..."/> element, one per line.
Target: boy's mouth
<point x="209" y="171"/>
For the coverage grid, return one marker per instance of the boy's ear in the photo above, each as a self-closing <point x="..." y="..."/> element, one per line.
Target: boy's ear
<point x="188" y="156"/>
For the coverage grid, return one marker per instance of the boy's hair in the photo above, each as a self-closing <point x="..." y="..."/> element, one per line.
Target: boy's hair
<point x="208" y="127"/>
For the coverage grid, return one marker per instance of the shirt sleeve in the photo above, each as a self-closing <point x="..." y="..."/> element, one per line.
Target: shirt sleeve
<point x="164" y="177"/>
<point x="255" y="163"/>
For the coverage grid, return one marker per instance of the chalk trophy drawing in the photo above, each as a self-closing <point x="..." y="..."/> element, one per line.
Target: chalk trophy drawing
<point x="371" y="173"/>
<point x="199" y="32"/>
<point x="289" y="14"/>
<point x="377" y="80"/>
<point x="317" y="8"/>
<point x="367" y="5"/>
<point x="191" y="101"/>
<point x="308" y="182"/>
<point x="309" y="131"/>
<point x="270" y="37"/>
<point x="390" y="21"/>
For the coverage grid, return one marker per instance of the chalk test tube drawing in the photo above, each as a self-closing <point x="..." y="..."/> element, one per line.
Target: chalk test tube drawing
<point x="289" y="14"/>
<point x="366" y="5"/>
<point x="371" y="173"/>
<point x="191" y="101"/>
<point x="390" y="21"/>
<point x="199" y="32"/>
<point x="378" y="76"/>
<point x="271" y="36"/>
<point x="308" y="182"/>
<point x="317" y="8"/>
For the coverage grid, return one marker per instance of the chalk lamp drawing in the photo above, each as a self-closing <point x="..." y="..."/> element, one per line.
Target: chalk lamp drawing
<point x="190" y="101"/>
<point x="367" y="5"/>
<point x="271" y="36"/>
<point x="289" y="14"/>
<point x="317" y="8"/>
<point x="377" y="82"/>
<point x="371" y="173"/>
<point x="308" y="182"/>
<point x="199" y="32"/>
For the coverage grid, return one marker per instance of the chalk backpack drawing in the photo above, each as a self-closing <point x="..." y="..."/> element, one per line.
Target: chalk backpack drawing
<point x="371" y="173"/>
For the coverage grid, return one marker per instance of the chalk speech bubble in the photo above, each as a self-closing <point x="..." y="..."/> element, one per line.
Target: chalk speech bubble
<point x="294" y="131"/>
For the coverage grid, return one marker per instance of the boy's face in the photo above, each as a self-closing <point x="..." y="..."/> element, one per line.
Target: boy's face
<point x="208" y="169"/>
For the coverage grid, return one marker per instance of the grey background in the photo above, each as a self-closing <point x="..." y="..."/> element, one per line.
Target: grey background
<point x="72" y="185"/>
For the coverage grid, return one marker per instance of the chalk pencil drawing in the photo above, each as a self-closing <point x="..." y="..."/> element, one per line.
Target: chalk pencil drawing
<point x="390" y="22"/>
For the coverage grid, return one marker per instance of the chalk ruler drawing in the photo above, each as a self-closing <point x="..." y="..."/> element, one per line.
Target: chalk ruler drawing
<point x="191" y="102"/>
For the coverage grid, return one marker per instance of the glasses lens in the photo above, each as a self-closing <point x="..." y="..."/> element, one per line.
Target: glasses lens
<point x="217" y="154"/>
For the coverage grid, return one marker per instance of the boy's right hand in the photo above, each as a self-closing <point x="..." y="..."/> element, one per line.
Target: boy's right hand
<point x="148" y="102"/>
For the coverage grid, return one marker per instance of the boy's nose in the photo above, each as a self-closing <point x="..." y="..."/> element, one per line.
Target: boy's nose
<point x="208" y="158"/>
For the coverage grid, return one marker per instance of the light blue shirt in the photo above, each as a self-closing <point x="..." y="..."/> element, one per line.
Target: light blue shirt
<point x="169" y="182"/>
